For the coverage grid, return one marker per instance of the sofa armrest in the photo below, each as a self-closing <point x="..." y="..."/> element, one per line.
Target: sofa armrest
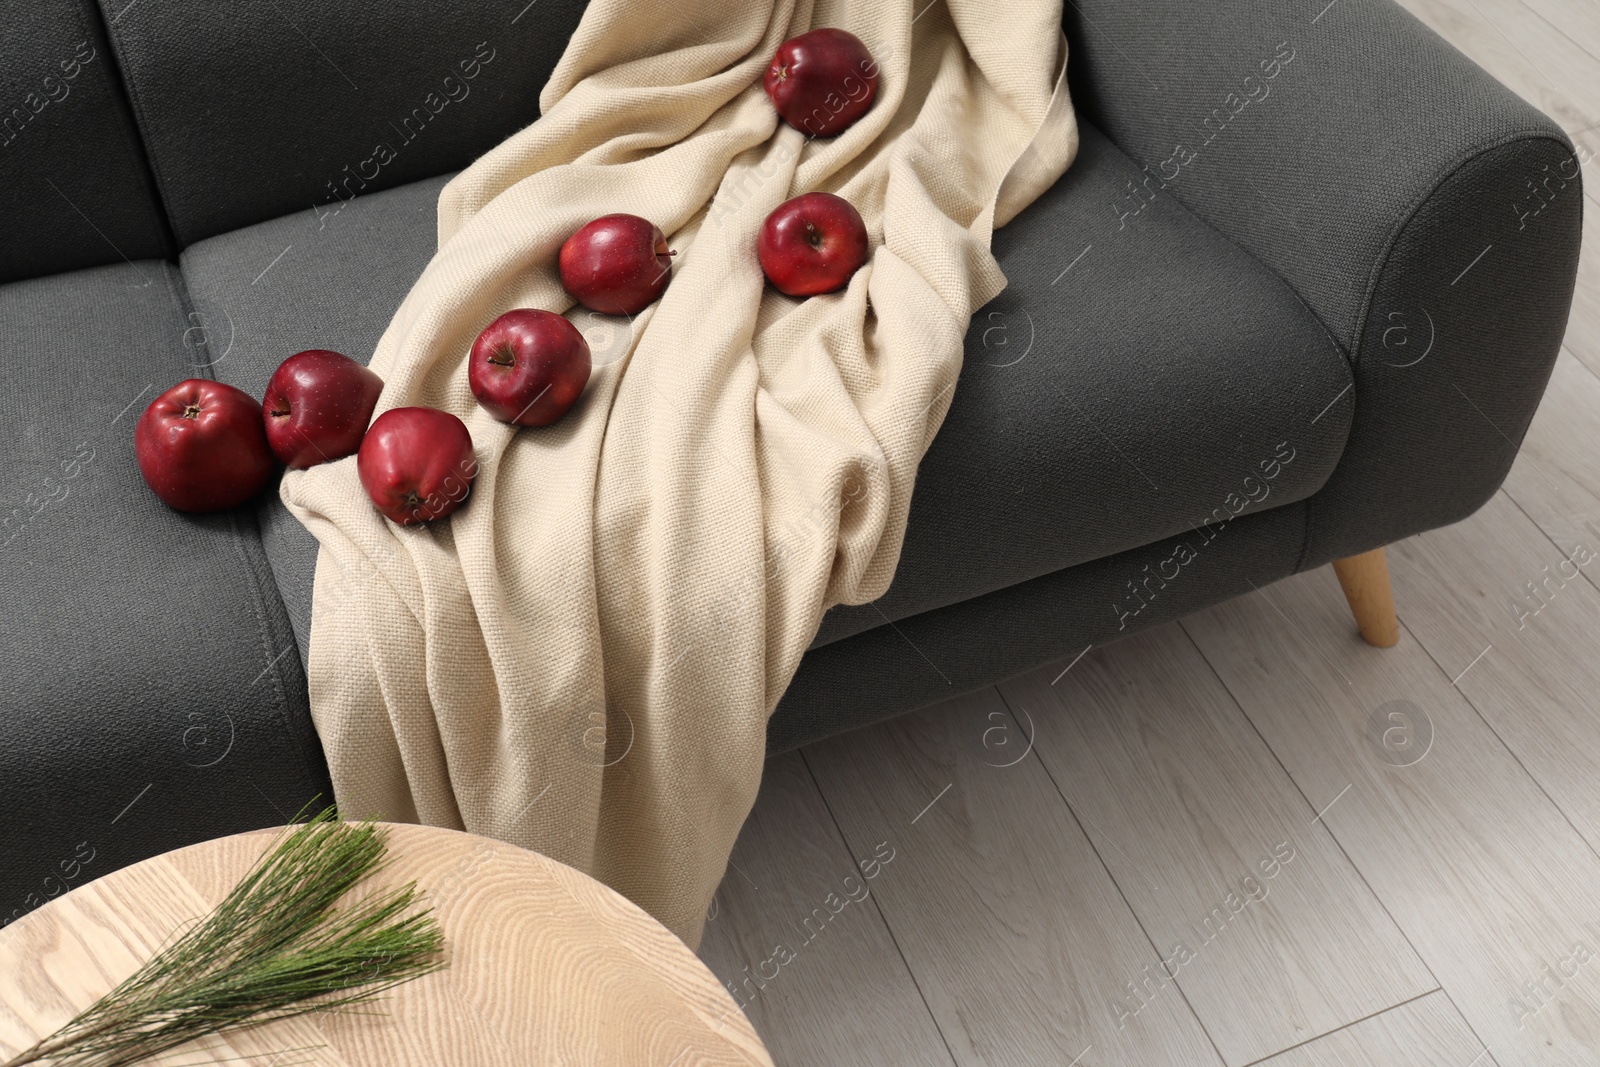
<point x="1425" y="213"/>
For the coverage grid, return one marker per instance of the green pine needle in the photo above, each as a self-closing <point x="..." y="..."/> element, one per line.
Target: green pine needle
<point x="274" y="948"/>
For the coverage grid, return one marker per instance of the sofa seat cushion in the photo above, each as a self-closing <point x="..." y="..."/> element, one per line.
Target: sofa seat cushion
<point x="1140" y="376"/>
<point x="150" y="689"/>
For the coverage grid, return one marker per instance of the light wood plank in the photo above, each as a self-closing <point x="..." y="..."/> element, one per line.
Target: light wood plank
<point x="1522" y="71"/>
<point x="845" y="996"/>
<point x="1556" y="475"/>
<point x="1476" y="865"/>
<point x="1494" y="593"/>
<point x="1016" y="934"/>
<point x="1578" y="20"/>
<point x="1562" y="64"/>
<point x="1214" y="847"/>
<point x="1422" y="1033"/>
<point x="1520" y="65"/>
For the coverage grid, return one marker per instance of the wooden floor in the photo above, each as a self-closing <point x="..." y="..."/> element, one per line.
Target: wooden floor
<point x="1244" y="838"/>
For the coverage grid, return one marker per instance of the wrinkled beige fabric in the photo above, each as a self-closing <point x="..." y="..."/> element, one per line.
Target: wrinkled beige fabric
<point x="583" y="659"/>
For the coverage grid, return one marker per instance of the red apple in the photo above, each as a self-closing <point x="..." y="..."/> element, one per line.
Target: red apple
<point x="417" y="464"/>
<point x="317" y="407"/>
<point x="812" y="244"/>
<point x="616" y="265"/>
<point x="822" y="82"/>
<point x="201" y="446"/>
<point x="527" y="367"/>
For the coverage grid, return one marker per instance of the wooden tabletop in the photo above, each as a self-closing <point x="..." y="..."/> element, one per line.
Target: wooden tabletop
<point x="547" y="966"/>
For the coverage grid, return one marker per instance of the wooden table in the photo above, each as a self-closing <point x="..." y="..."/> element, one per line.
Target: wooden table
<point x="547" y="966"/>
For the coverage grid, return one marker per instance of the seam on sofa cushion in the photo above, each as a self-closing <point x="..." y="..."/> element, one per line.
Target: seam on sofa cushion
<point x="1311" y="509"/>
<point x="135" y="136"/>
<point x="95" y="27"/>
<point x="246" y="531"/>
<point x="260" y="589"/>
<point x="141" y="143"/>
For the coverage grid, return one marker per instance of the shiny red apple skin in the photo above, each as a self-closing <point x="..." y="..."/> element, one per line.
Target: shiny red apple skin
<point x="528" y="367"/>
<point x="616" y="264"/>
<point x="822" y="82"/>
<point x="201" y="446"/>
<point x="317" y="407"/>
<point x="417" y="464"/>
<point x="812" y="244"/>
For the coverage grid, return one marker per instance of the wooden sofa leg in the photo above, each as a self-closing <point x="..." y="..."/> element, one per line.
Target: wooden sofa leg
<point x="1365" y="580"/>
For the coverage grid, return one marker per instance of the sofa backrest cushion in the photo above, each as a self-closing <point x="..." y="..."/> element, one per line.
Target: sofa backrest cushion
<point x="252" y="111"/>
<point x="75" y="190"/>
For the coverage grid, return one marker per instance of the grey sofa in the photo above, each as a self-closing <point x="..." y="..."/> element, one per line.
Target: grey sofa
<point x="1297" y="299"/>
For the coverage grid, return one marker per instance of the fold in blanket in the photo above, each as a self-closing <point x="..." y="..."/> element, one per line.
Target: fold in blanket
<point x="582" y="660"/>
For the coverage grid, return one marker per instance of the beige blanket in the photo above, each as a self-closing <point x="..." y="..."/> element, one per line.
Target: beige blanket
<point x="583" y="659"/>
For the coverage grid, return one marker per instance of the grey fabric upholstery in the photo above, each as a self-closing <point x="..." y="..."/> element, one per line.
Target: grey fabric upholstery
<point x="148" y="661"/>
<point x="1369" y="172"/>
<point x="307" y="280"/>
<point x="74" y="187"/>
<point x="953" y="650"/>
<point x="1040" y="464"/>
<point x="341" y="274"/>
<point x="1114" y="404"/>
<point x="252" y="111"/>
<point x="1434" y="440"/>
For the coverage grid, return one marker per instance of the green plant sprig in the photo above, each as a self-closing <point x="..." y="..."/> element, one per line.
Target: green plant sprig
<point x="274" y="948"/>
